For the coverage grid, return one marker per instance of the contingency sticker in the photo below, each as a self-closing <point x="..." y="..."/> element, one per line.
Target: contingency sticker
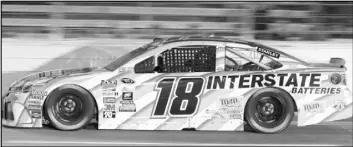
<point x="109" y="84"/>
<point x="230" y="108"/>
<point x="127" y="104"/>
<point x="314" y="107"/>
<point x="268" y="52"/>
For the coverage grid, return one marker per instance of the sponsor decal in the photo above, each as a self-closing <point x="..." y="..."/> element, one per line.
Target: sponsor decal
<point x="301" y="90"/>
<point x="127" y="81"/>
<point x="127" y="107"/>
<point x="302" y="83"/>
<point x="126" y="69"/>
<point x="109" y="100"/>
<point x="231" y="102"/>
<point x="339" y="105"/>
<point x="109" y="114"/>
<point x="226" y="113"/>
<point x="38" y="95"/>
<point x="127" y="96"/>
<point x="110" y="93"/>
<point x="109" y="84"/>
<point x="35" y="102"/>
<point x="51" y="73"/>
<point x="109" y="107"/>
<point x="230" y="108"/>
<point x="335" y="78"/>
<point x="36" y="114"/>
<point x="314" y="107"/>
<point x="109" y="110"/>
<point x="268" y="52"/>
<point x="34" y="107"/>
<point x="44" y="93"/>
<point x="126" y="102"/>
<point x="56" y="73"/>
<point x="235" y="114"/>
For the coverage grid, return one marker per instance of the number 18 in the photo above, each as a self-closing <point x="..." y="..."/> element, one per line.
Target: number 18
<point x="186" y="99"/>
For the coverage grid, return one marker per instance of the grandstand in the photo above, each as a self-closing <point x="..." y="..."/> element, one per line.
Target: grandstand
<point x="265" y="20"/>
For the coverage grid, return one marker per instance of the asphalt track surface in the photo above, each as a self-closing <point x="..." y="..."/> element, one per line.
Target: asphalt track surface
<point x="327" y="134"/>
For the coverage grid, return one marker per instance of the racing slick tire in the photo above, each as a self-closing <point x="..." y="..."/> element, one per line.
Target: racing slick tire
<point x="269" y="110"/>
<point x="69" y="107"/>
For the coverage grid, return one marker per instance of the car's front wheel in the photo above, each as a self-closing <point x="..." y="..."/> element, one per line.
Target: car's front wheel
<point x="269" y="110"/>
<point x="69" y="108"/>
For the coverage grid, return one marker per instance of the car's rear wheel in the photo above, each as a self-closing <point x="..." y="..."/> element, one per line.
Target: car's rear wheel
<point x="69" y="108"/>
<point x="269" y="111"/>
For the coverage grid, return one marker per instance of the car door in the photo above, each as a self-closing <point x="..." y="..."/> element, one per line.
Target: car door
<point x="169" y="94"/>
<point x="136" y="83"/>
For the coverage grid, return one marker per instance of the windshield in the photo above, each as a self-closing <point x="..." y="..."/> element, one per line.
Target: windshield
<point x="129" y="56"/>
<point x="284" y="56"/>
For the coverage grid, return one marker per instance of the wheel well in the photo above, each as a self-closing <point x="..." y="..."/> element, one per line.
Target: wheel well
<point x="95" y="102"/>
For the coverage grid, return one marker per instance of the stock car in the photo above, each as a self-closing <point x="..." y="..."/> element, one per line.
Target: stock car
<point x="186" y="82"/>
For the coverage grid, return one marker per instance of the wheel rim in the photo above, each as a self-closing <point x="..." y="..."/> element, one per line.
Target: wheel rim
<point x="270" y="111"/>
<point x="68" y="108"/>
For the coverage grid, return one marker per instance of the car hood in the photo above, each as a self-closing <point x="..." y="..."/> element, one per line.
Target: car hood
<point x="47" y="76"/>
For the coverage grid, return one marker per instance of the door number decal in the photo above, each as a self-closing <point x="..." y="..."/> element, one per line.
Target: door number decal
<point x="185" y="100"/>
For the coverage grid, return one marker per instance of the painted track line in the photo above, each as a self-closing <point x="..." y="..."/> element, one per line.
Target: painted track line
<point x="152" y="143"/>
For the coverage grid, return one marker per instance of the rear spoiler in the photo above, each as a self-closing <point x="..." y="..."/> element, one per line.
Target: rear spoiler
<point x="338" y="61"/>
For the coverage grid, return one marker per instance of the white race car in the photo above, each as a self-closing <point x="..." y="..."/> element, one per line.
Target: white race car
<point x="187" y="82"/>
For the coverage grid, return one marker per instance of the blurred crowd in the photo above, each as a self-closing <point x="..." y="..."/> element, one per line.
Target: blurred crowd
<point x="258" y="20"/>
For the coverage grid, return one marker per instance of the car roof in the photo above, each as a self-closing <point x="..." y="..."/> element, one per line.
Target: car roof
<point x="203" y="38"/>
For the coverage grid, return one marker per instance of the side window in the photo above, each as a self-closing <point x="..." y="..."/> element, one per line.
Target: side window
<point x="145" y="66"/>
<point x="196" y="58"/>
<point x="234" y="62"/>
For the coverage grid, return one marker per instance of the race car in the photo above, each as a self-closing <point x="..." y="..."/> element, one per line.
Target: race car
<point x="185" y="82"/>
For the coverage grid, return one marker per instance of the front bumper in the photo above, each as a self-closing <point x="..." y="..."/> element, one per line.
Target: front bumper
<point x="14" y="112"/>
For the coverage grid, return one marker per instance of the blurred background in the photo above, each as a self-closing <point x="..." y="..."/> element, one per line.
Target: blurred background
<point x="258" y="20"/>
<point x="39" y="36"/>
